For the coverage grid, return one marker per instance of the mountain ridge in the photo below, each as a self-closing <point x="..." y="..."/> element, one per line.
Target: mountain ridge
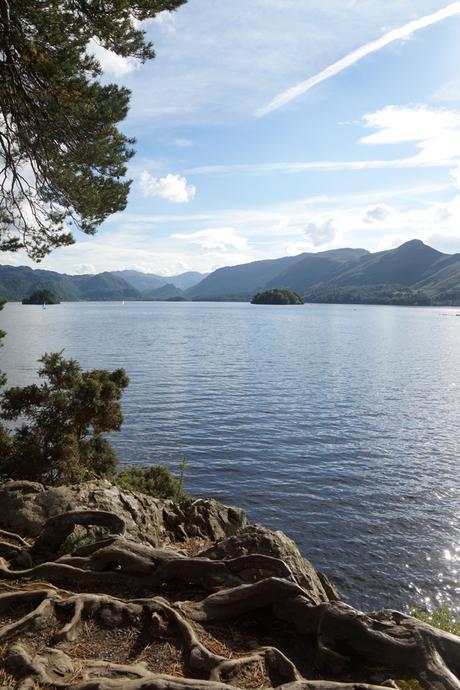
<point x="413" y="273"/>
<point x="18" y="282"/>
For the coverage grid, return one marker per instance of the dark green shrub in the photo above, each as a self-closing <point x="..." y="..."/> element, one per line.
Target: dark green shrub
<point x="157" y="481"/>
<point x="62" y="420"/>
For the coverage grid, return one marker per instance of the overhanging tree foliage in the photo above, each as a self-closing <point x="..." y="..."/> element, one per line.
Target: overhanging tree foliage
<point x="2" y="335"/>
<point x="62" y="158"/>
<point x="61" y="423"/>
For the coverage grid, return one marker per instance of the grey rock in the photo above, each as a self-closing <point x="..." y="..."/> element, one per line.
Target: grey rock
<point x="26" y="506"/>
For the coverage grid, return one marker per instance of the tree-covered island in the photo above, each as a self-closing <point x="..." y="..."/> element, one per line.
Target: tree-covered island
<point x="277" y="296"/>
<point x="41" y="297"/>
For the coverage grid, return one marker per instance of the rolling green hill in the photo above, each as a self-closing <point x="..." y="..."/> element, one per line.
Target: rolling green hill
<point x="405" y="265"/>
<point x="315" y="268"/>
<point x="413" y="273"/>
<point x="290" y="272"/>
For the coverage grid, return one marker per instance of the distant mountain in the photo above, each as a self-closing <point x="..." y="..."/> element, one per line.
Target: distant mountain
<point x="141" y="281"/>
<point x="316" y="268"/>
<point x="413" y="273"/>
<point x="244" y="279"/>
<point x="290" y="272"/>
<point x="151" y="281"/>
<point x="17" y="282"/>
<point x="104" y="286"/>
<point x="410" y="263"/>
<point x="187" y="280"/>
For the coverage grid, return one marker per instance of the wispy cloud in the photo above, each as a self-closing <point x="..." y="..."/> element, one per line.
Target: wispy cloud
<point x="214" y="239"/>
<point x="356" y="55"/>
<point x="301" y="166"/>
<point x="435" y="132"/>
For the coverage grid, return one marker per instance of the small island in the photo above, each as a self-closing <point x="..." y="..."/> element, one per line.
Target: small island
<point x="277" y="296"/>
<point x="41" y="297"/>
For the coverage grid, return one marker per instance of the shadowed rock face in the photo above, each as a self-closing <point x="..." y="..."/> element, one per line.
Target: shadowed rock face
<point x="169" y="597"/>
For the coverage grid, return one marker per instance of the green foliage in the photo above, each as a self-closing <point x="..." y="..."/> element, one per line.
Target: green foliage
<point x="2" y="375"/>
<point x="442" y="618"/>
<point x="411" y="684"/>
<point x="368" y="294"/>
<point x="62" y="158"/>
<point x="156" y="480"/>
<point x="41" y="297"/>
<point x="59" y="439"/>
<point x="277" y="296"/>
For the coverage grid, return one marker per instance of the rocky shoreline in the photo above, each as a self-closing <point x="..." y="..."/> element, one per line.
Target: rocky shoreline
<point x="102" y="588"/>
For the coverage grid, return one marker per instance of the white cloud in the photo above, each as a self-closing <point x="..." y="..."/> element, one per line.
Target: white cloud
<point x="111" y="63"/>
<point x="356" y="55"/>
<point x="377" y="213"/>
<point x="215" y="239"/>
<point x="321" y="233"/>
<point x="174" y="188"/>
<point x="397" y="124"/>
<point x="435" y="132"/>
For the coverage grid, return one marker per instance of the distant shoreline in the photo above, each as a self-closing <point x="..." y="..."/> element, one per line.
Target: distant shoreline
<point x="245" y="301"/>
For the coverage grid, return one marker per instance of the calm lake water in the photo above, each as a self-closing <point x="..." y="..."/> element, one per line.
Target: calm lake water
<point x="339" y="425"/>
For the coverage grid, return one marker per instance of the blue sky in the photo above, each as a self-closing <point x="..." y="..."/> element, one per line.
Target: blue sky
<point x="242" y="156"/>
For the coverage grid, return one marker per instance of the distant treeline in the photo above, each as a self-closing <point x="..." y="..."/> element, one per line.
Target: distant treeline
<point x="381" y="294"/>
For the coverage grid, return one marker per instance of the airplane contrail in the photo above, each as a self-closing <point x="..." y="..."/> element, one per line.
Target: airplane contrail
<point x="356" y="55"/>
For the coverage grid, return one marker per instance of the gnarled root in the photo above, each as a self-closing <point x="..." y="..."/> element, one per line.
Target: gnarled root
<point x="180" y="622"/>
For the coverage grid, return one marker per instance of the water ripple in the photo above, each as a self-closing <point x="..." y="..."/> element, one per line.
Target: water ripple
<point x="339" y="425"/>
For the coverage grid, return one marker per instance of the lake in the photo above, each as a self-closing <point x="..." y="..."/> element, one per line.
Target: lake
<point x="338" y="424"/>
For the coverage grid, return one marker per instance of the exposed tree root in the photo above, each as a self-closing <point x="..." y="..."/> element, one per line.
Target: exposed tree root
<point x="178" y="622"/>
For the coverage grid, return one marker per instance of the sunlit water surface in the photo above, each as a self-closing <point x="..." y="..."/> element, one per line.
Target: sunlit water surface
<point x="339" y="425"/>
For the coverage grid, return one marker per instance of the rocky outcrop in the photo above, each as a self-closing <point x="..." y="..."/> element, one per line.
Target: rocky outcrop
<point x="255" y="539"/>
<point x="134" y="609"/>
<point x="26" y="506"/>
